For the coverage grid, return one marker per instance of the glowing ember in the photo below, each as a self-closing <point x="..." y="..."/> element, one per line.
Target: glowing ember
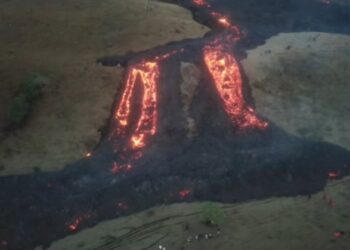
<point x="73" y="227"/>
<point x="122" y="206"/>
<point x="225" y="72"/>
<point x="184" y="193"/>
<point x="333" y="174"/>
<point x="148" y="73"/>
<point x="167" y="55"/>
<point x="88" y="155"/>
<point x="137" y="155"/>
<point x="225" y="23"/>
<point x="77" y="221"/>
<point x="222" y="20"/>
<point x="201" y="3"/>
<point x="124" y="168"/>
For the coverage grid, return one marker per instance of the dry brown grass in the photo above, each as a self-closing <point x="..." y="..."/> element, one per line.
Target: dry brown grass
<point x="304" y="89"/>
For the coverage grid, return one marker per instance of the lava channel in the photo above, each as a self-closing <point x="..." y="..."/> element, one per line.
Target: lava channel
<point x="226" y="75"/>
<point x="148" y="73"/>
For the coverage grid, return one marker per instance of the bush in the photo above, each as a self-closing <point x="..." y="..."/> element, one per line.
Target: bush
<point x="211" y="214"/>
<point x="19" y="110"/>
<point x="32" y="87"/>
<point x="29" y="92"/>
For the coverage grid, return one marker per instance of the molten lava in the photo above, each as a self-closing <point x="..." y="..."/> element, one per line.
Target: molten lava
<point x="137" y="131"/>
<point x="225" y="22"/>
<point x="225" y="72"/>
<point x="148" y="73"/>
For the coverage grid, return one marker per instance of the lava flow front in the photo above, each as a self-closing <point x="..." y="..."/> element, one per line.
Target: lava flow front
<point x="148" y="73"/>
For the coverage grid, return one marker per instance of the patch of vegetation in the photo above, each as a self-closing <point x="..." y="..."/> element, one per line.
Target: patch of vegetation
<point x="81" y="244"/>
<point x="150" y="213"/>
<point x="32" y="86"/>
<point x="19" y="110"/>
<point x="36" y="169"/>
<point x="30" y="90"/>
<point x="211" y="214"/>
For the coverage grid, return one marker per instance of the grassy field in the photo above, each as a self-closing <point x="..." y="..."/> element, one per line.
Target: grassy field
<point x="300" y="81"/>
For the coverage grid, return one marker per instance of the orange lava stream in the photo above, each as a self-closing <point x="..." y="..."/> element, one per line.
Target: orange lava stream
<point x="225" y="72"/>
<point x="148" y="73"/>
<point x="137" y="132"/>
<point x="123" y="111"/>
<point x="147" y="124"/>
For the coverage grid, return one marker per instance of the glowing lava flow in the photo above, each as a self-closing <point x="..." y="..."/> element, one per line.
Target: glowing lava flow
<point x="136" y="132"/>
<point x="225" y="72"/>
<point x="148" y="73"/>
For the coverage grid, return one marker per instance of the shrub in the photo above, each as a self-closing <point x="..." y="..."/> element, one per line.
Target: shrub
<point x="211" y="214"/>
<point x="32" y="87"/>
<point x="29" y="92"/>
<point x="19" y="110"/>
